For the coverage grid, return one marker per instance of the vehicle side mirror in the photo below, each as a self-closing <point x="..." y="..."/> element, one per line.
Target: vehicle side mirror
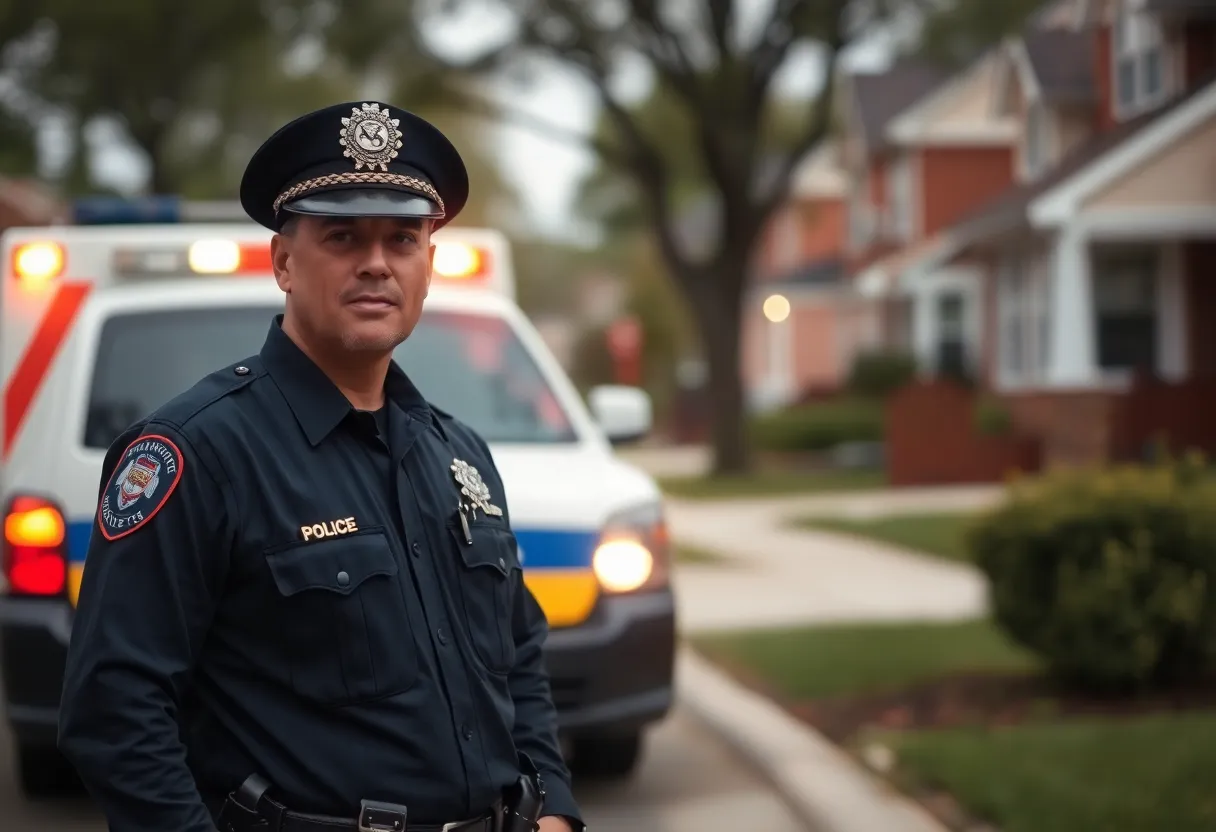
<point x="623" y="413"/>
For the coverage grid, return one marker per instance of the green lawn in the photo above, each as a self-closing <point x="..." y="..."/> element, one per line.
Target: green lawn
<point x="1135" y="774"/>
<point x="770" y="483"/>
<point x="685" y="553"/>
<point x="934" y="534"/>
<point x="816" y="662"/>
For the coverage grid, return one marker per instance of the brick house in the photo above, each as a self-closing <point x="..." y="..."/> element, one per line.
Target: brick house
<point x="1091" y="267"/>
<point x="802" y="322"/>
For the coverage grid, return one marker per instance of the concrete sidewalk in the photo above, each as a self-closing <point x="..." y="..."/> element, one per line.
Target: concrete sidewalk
<point x="786" y="576"/>
<point x="782" y="576"/>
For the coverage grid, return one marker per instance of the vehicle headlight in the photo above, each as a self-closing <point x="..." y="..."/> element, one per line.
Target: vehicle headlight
<point x="633" y="554"/>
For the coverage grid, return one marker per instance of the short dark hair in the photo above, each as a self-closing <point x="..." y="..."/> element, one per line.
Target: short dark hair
<point x="289" y="225"/>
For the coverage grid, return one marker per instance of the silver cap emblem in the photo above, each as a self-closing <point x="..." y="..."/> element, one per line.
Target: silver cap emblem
<point x="370" y="137"/>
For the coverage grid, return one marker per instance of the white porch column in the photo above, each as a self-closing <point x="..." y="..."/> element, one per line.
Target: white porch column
<point x="1071" y="358"/>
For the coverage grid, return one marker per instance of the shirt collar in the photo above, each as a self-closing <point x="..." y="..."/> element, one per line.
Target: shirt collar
<point x="317" y="403"/>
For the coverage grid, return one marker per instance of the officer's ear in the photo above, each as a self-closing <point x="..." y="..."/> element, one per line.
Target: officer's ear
<point x="280" y="253"/>
<point x="430" y="266"/>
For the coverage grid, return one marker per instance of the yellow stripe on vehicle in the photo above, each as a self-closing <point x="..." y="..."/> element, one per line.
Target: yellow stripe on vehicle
<point x="75" y="574"/>
<point x="566" y="595"/>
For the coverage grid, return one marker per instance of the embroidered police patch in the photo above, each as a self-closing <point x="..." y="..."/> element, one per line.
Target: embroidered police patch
<point x="146" y="475"/>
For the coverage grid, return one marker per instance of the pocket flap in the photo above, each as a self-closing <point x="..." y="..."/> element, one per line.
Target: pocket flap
<point x="493" y="547"/>
<point x="338" y="565"/>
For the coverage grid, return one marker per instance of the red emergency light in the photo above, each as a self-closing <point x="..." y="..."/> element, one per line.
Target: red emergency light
<point x="37" y="263"/>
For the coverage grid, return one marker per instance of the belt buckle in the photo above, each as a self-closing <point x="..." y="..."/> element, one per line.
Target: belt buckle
<point x="375" y="816"/>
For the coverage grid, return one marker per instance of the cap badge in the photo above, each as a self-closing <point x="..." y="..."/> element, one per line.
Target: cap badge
<point x="370" y="137"/>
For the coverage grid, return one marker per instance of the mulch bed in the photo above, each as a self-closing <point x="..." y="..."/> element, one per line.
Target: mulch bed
<point x="963" y="700"/>
<point x="981" y="699"/>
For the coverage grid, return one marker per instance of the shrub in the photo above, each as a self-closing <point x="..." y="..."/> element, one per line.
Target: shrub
<point x="818" y="426"/>
<point x="1110" y="576"/>
<point x="880" y="373"/>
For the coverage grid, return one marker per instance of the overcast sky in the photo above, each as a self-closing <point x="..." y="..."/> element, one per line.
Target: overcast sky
<point x="547" y="171"/>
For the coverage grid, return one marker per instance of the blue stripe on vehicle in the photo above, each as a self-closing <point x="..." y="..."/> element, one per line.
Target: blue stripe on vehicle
<point x="539" y="548"/>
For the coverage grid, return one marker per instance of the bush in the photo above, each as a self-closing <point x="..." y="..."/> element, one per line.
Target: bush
<point x="880" y="373"/>
<point x="818" y="426"/>
<point x="1109" y="576"/>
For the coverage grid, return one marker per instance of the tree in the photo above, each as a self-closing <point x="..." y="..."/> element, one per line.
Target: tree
<point x="196" y="88"/>
<point x="959" y="33"/>
<point x="721" y="81"/>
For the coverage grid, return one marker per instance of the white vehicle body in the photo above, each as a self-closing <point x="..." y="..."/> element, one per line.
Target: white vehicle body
<point x="62" y="288"/>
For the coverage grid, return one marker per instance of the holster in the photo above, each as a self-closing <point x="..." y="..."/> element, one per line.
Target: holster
<point x="241" y="811"/>
<point x="525" y="800"/>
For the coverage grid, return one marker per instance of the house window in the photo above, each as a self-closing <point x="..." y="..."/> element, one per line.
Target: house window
<point x="899" y="187"/>
<point x="787" y="240"/>
<point x="1035" y="151"/>
<point x="1023" y="319"/>
<point x="860" y="229"/>
<point x="1125" y="306"/>
<point x="1139" y="56"/>
<point x="951" y="358"/>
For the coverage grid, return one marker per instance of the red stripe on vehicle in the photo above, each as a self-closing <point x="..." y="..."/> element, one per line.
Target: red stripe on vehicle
<point x="31" y="370"/>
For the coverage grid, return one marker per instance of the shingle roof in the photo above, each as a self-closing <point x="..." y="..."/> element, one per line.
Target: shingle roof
<point x="881" y="97"/>
<point x="1010" y="207"/>
<point x="1063" y="64"/>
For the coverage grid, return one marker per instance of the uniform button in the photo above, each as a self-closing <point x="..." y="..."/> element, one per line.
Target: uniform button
<point x="467" y="732"/>
<point x="443" y="635"/>
<point x="343" y="579"/>
<point x="241" y="371"/>
<point x="417" y="549"/>
<point x="502" y="564"/>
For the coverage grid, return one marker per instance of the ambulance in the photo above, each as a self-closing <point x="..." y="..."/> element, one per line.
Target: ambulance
<point x="102" y="323"/>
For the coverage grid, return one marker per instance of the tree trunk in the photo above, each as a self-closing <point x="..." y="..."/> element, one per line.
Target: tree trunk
<point x="715" y="300"/>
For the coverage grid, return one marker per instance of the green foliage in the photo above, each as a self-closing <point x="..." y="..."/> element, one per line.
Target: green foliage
<point x="818" y="426"/>
<point x="964" y="30"/>
<point x="879" y="373"/>
<point x="992" y="417"/>
<point x="1109" y="575"/>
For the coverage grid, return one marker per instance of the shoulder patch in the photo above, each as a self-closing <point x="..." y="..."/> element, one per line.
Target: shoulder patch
<point x="145" y="476"/>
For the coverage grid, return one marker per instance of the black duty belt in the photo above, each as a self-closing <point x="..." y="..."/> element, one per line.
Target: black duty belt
<point x="249" y="809"/>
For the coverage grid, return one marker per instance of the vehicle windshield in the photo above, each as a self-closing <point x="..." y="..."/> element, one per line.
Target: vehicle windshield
<point x="473" y="366"/>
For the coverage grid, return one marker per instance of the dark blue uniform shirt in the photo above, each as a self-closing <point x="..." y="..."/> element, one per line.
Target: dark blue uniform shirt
<point x="275" y="586"/>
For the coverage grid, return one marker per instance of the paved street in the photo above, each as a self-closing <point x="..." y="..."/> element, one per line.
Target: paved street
<point x="689" y="783"/>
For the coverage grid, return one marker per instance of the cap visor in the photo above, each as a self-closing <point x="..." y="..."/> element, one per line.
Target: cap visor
<point x="365" y="202"/>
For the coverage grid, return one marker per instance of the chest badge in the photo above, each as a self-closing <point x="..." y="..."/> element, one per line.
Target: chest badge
<point x="474" y="489"/>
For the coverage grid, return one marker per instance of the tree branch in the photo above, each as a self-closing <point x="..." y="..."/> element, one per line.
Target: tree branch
<point x="820" y="121"/>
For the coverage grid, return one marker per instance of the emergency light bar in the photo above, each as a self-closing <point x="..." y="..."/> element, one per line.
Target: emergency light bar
<point x="119" y="211"/>
<point x="211" y="257"/>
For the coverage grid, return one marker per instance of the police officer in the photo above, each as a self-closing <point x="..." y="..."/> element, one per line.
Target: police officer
<point x="303" y="607"/>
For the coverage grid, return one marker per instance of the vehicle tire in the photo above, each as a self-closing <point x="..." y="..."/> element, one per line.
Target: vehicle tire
<point x="609" y="757"/>
<point x="44" y="772"/>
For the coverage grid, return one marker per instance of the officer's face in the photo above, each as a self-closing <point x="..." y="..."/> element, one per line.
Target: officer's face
<point x="354" y="283"/>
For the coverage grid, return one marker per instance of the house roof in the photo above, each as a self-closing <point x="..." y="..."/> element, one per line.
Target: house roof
<point x="880" y="97"/>
<point x="1010" y="208"/>
<point x="1063" y="64"/>
<point x="826" y="273"/>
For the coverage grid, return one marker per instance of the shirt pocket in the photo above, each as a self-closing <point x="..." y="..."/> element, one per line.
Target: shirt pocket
<point x="343" y="619"/>
<point x="488" y="583"/>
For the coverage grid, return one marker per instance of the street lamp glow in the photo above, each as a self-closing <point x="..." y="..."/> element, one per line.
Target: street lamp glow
<point x="776" y="308"/>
